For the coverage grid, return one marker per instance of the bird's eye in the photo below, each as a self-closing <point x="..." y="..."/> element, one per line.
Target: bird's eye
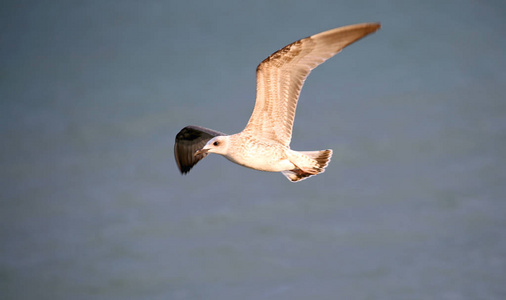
<point x="216" y="143"/>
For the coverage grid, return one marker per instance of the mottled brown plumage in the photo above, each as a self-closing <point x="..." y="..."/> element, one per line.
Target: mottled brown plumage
<point x="265" y="142"/>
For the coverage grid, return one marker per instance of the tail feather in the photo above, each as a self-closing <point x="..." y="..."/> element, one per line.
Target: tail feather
<point x="322" y="158"/>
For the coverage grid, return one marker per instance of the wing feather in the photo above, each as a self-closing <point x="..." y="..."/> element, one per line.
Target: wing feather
<point x="188" y="141"/>
<point x="280" y="78"/>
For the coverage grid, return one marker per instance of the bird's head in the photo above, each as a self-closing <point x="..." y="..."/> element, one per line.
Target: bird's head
<point x="218" y="145"/>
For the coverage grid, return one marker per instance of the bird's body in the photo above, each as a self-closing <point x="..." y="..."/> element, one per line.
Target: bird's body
<point x="264" y="155"/>
<point x="265" y="142"/>
<point x="257" y="154"/>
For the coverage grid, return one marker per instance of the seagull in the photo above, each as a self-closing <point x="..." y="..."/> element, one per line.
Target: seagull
<point x="264" y="144"/>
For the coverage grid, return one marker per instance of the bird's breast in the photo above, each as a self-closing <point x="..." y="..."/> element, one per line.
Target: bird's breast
<point x="259" y="155"/>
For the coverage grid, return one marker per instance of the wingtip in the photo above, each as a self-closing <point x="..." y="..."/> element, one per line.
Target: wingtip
<point x="372" y="27"/>
<point x="369" y="27"/>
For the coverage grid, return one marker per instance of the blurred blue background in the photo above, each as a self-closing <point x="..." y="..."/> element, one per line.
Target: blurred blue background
<point x="92" y="205"/>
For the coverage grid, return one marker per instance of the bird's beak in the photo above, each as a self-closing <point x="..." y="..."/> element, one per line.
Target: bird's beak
<point x="201" y="152"/>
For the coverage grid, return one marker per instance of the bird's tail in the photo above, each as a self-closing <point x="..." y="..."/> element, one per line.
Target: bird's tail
<point x="322" y="159"/>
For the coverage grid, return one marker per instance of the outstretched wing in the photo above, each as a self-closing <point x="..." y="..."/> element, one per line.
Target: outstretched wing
<point x="280" y="78"/>
<point x="188" y="141"/>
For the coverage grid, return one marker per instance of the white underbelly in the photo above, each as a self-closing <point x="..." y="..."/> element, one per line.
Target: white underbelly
<point x="268" y="163"/>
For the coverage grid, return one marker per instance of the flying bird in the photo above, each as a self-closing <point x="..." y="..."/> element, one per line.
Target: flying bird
<point x="265" y="142"/>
